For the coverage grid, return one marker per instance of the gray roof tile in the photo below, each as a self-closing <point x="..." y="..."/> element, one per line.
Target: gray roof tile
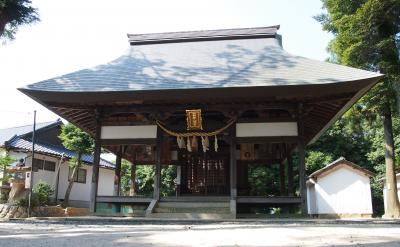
<point x="49" y="149"/>
<point x="205" y="64"/>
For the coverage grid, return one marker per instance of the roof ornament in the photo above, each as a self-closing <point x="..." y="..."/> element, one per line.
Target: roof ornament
<point x="195" y="130"/>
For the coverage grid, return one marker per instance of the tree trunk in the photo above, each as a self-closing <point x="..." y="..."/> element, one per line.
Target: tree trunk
<point x="3" y="22"/>
<point x="132" y="189"/>
<point x="392" y="209"/>
<point x="71" y="182"/>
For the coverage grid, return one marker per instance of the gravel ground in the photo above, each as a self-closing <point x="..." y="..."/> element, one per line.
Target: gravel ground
<point x="167" y="233"/>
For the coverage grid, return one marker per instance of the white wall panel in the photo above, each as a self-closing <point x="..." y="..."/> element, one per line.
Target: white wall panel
<point x="266" y="129"/>
<point x="129" y="132"/>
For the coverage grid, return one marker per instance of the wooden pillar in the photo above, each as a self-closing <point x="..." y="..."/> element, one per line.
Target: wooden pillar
<point x="117" y="180"/>
<point x="96" y="164"/>
<point x="132" y="187"/>
<point x="233" y="171"/>
<point x="290" y="175"/>
<point x="157" y="174"/>
<point x="302" y="166"/>
<point x="282" y="181"/>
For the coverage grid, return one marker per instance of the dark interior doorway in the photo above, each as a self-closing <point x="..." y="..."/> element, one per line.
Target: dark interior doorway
<point x="205" y="173"/>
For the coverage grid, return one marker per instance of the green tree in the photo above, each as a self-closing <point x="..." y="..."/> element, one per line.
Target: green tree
<point x="5" y="161"/>
<point x="14" y="13"/>
<point x="367" y="37"/>
<point x="79" y="142"/>
<point x="316" y="160"/>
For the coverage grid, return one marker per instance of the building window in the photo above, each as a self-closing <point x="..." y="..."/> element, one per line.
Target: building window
<point x="37" y="164"/>
<point x="80" y="175"/>
<point x="46" y="165"/>
<point x="49" y="166"/>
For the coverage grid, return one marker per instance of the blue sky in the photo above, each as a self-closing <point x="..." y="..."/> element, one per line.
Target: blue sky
<point x="75" y="34"/>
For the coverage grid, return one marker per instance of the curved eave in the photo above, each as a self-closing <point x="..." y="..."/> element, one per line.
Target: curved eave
<point x="318" y="124"/>
<point x="200" y="94"/>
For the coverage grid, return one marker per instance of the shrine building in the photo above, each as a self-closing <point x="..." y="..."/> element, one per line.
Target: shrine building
<point x="212" y="104"/>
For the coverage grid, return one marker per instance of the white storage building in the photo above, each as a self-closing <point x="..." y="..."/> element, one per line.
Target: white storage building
<point x="340" y="190"/>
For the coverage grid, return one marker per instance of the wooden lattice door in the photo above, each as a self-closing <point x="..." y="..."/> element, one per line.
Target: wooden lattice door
<point x="203" y="174"/>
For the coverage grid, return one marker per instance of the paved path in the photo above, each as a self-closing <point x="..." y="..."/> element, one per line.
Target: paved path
<point x="166" y="233"/>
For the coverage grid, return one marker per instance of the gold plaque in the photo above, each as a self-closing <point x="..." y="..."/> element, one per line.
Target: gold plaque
<point x="193" y="120"/>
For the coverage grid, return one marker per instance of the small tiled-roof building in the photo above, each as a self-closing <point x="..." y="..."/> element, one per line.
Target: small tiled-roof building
<point x="340" y="189"/>
<point x="51" y="161"/>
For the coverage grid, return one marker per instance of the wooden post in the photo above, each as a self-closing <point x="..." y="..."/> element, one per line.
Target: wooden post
<point x="282" y="181"/>
<point x="302" y="165"/>
<point x="157" y="174"/>
<point x="96" y="164"/>
<point x="117" y="179"/>
<point x="132" y="187"/>
<point x="233" y="170"/>
<point x="290" y="175"/>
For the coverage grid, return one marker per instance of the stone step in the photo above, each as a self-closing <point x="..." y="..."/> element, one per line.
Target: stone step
<point x="219" y="210"/>
<point x="193" y="204"/>
<point x="203" y="216"/>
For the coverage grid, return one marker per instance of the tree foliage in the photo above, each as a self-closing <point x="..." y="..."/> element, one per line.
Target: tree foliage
<point x="79" y="142"/>
<point x="14" y="13"/>
<point x="5" y="161"/>
<point x="145" y="179"/>
<point x="366" y="36"/>
<point x="75" y="139"/>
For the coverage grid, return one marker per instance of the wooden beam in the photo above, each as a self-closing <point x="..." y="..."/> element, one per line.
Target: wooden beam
<point x="206" y="107"/>
<point x="123" y="199"/>
<point x="144" y="141"/>
<point x="267" y="139"/>
<point x="96" y="164"/>
<point x="275" y="199"/>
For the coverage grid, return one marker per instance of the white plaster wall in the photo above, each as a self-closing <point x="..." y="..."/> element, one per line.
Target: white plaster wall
<point x="266" y="129"/>
<point x="311" y="202"/>
<point x="126" y="132"/>
<point x="106" y="182"/>
<point x="343" y="191"/>
<point x="41" y="175"/>
<point x="81" y="191"/>
<point x="385" y="189"/>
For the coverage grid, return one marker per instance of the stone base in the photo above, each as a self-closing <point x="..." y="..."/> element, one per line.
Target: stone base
<point x="70" y="211"/>
<point x="12" y="211"/>
<point x="342" y="216"/>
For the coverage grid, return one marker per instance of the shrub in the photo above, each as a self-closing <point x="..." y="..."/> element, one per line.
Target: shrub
<point x="24" y="202"/>
<point x="42" y="192"/>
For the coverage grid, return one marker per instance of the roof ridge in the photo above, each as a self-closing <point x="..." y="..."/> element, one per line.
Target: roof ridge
<point x="202" y="35"/>
<point x="26" y="125"/>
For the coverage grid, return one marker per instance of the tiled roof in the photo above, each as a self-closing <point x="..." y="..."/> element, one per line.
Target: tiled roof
<point x="207" y="63"/>
<point x="338" y="162"/>
<point x="8" y="133"/>
<point x="48" y="149"/>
